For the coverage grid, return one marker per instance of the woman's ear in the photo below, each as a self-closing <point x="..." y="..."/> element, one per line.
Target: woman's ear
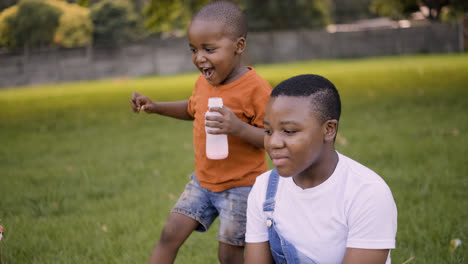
<point x="241" y="43"/>
<point x="330" y="129"/>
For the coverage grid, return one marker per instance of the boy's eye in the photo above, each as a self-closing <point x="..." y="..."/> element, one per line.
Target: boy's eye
<point x="267" y="131"/>
<point x="193" y="50"/>
<point x="210" y="50"/>
<point x="289" y="132"/>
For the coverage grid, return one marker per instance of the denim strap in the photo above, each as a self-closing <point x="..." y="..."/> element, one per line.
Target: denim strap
<point x="273" y="180"/>
<point x="282" y="251"/>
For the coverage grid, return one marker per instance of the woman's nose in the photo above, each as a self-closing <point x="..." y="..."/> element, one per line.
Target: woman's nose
<point x="274" y="140"/>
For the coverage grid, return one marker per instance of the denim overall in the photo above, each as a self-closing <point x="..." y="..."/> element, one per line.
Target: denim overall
<point x="281" y="249"/>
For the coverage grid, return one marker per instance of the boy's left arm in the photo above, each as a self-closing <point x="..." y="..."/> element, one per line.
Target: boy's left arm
<point x="229" y="124"/>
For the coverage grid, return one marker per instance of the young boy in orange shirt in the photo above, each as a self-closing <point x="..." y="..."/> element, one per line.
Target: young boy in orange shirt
<point x="217" y="38"/>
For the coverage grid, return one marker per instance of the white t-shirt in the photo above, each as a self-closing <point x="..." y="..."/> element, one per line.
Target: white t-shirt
<point x="353" y="208"/>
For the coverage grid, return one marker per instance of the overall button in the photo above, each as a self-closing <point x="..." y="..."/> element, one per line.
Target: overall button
<point x="269" y="223"/>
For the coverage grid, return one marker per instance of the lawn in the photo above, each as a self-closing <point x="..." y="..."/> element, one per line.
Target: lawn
<point x="85" y="180"/>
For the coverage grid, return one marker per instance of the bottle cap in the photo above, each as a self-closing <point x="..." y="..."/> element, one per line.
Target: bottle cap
<point x="215" y="102"/>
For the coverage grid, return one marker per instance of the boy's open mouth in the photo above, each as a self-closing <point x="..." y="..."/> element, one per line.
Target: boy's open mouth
<point x="207" y="72"/>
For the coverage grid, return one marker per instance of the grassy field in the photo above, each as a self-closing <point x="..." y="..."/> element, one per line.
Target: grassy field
<point x="85" y="180"/>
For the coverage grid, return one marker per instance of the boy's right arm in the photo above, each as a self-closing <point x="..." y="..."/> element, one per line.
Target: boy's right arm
<point x="172" y="109"/>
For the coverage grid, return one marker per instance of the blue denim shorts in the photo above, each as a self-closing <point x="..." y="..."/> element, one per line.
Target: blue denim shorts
<point x="204" y="206"/>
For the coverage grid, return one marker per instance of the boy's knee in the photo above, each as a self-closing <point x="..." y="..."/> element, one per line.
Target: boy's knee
<point x="177" y="229"/>
<point x="167" y="235"/>
<point x="228" y="254"/>
<point x="223" y="258"/>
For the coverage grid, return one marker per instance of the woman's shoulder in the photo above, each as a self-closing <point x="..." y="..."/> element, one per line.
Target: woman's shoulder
<point x="262" y="179"/>
<point x="358" y="173"/>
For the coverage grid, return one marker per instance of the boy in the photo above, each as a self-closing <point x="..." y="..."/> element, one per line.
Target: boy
<point x="325" y="207"/>
<point x="217" y="38"/>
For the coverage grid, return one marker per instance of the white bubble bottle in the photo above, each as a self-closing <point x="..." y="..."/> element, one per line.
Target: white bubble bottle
<point x="216" y="145"/>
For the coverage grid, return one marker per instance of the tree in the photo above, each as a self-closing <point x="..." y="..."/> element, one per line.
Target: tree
<point x="395" y="9"/>
<point x="83" y="3"/>
<point x="4" y="4"/>
<point x="6" y="32"/>
<point x="455" y="9"/>
<point x="170" y="15"/>
<point x="115" y="21"/>
<point x="281" y="15"/>
<point x="173" y="15"/>
<point x="33" y="25"/>
<point x="345" y="11"/>
<point x="399" y="9"/>
<point x="75" y="28"/>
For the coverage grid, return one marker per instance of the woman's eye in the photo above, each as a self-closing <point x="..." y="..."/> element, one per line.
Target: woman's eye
<point x="289" y="132"/>
<point x="210" y="50"/>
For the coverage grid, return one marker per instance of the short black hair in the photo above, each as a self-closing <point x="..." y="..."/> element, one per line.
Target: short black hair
<point x="224" y="12"/>
<point x="325" y="99"/>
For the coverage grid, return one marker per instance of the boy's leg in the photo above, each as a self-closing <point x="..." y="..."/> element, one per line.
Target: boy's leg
<point x="177" y="229"/>
<point x="230" y="254"/>
<point x="232" y="207"/>
<point x="193" y="211"/>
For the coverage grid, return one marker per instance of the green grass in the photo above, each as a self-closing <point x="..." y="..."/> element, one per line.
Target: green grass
<point x="85" y="180"/>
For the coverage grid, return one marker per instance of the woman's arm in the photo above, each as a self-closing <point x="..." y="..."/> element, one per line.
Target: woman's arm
<point x="258" y="253"/>
<point x="365" y="256"/>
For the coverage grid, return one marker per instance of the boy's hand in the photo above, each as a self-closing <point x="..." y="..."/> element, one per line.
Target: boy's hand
<point x="140" y="102"/>
<point x="228" y="123"/>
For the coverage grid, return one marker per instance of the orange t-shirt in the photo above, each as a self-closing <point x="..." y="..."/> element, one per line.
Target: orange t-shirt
<point x="247" y="98"/>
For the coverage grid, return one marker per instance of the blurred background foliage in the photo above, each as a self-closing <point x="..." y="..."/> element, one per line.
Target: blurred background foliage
<point x="84" y="22"/>
<point x="170" y="15"/>
<point x="345" y="11"/>
<point x="31" y="23"/>
<point x="434" y="10"/>
<point x="42" y="23"/>
<point x="115" y="21"/>
<point x="286" y="15"/>
<point x="75" y="28"/>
